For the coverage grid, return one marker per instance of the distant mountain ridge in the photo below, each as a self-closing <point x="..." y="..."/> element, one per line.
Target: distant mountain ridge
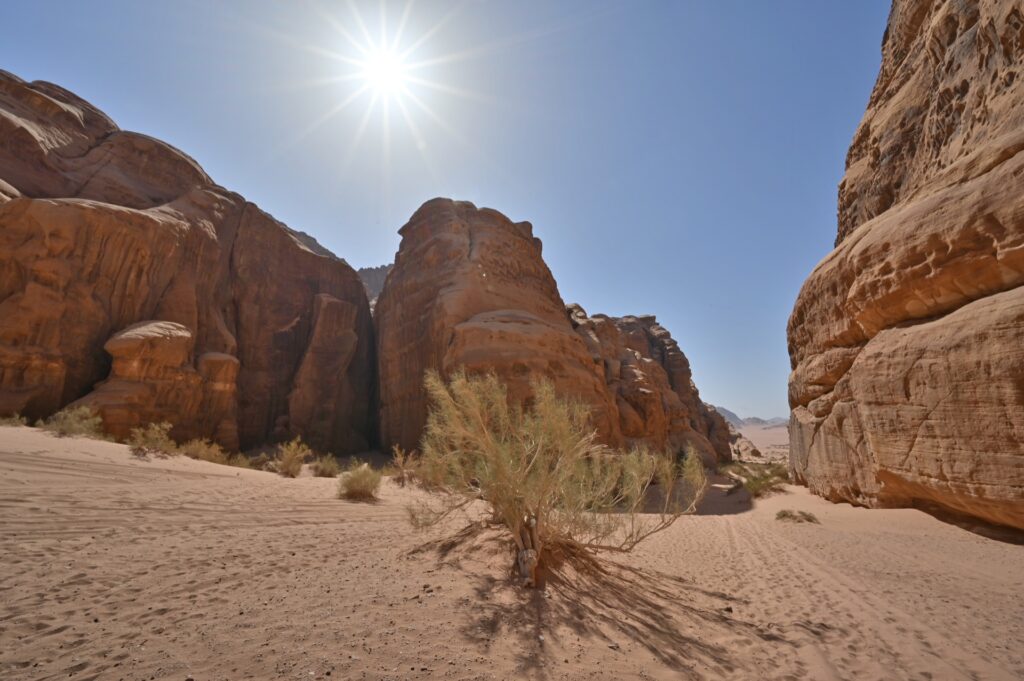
<point x="373" y="280"/>
<point x="739" y="422"/>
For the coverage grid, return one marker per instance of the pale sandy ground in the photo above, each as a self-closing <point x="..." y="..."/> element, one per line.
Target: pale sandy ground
<point x="115" y="568"/>
<point x="773" y="441"/>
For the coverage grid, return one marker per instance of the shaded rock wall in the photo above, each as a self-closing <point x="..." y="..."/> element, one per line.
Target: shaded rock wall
<point x="101" y="229"/>
<point x="907" y="341"/>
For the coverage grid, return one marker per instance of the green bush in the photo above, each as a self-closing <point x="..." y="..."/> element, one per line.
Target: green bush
<point x="543" y="474"/>
<point x="76" y="422"/>
<point x="291" y="456"/>
<point x="359" y="483"/>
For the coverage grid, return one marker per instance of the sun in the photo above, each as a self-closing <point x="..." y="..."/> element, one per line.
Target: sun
<point x="388" y="68"/>
<point x="385" y="72"/>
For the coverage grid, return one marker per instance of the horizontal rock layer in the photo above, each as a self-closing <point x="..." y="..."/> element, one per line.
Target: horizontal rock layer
<point x="907" y="341"/>
<point x="101" y="229"/>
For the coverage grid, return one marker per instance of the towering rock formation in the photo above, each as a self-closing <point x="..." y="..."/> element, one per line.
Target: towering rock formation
<point x="907" y="341"/>
<point x="470" y="289"/>
<point x="214" y="316"/>
<point x="649" y="379"/>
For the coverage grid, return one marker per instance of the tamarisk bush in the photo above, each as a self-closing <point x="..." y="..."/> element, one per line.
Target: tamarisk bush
<point x="542" y="473"/>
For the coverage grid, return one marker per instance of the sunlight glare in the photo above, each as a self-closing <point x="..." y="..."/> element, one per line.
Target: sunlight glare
<point x="385" y="72"/>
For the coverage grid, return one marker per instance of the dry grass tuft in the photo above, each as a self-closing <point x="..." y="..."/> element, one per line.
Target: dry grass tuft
<point x="402" y="467"/>
<point x="76" y="422"/>
<point x="204" y="450"/>
<point x="359" y="483"/>
<point x="239" y="461"/>
<point x="759" y="479"/>
<point x="789" y="516"/>
<point x="15" y="420"/>
<point x="152" y="439"/>
<point x="326" y="467"/>
<point x="543" y="475"/>
<point x="291" y="456"/>
<point x="263" y="462"/>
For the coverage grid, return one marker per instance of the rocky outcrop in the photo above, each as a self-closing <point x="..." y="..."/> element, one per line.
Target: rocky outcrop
<point x="154" y="374"/>
<point x="253" y="332"/>
<point x="649" y="379"/>
<point x="469" y="289"/>
<point x="907" y="341"/>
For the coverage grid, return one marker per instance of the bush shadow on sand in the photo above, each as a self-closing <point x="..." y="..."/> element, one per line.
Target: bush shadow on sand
<point x="602" y="602"/>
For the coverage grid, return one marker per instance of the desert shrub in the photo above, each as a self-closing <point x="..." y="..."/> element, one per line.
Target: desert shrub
<point x="760" y="480"/>
<point x="15" y="420"/>
<point x="326" y="467"/>
<point x="787" y="515"/>
<point x="360" y="482"/>
<point x="263" y="462"/>
<point x="153" y="438"/>
<point x="291" y="456"/>
<point x="204" y="450"/>
<point x="401" y="468"/>
<point x="76" y="422"/>
<point x="543" y="475"/>
<point x="240" y="461"/>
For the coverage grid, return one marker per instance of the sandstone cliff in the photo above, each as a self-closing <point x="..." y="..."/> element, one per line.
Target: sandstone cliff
<point x="470" y="289"/>
<point x="907" y="341"/>
<point x="214" y="316"/>
<point x="649" y="378"/>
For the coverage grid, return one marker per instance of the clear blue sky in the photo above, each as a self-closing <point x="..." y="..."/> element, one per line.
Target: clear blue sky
<point x="676" y="158"/>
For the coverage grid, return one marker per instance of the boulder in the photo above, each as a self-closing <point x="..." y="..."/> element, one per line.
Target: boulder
<point x="907" y="341"/>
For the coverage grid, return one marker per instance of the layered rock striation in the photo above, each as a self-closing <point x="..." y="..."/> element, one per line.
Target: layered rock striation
<point x="907" y="341"/>
<point x="215" y="317"/>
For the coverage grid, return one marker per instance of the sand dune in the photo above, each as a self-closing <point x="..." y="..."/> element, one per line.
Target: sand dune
<point x="114" y="567"/>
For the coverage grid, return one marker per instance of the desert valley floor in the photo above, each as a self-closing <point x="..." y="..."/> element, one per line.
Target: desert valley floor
<point x="115" y="567"/>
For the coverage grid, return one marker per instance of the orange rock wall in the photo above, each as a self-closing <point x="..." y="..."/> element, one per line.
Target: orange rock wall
<point x="101" y="229"/>
<point x="907" y="341"/>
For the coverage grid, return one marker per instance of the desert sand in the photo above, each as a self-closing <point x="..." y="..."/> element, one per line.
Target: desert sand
<point x="771" y="440"/>
<point x="115" y="567"/>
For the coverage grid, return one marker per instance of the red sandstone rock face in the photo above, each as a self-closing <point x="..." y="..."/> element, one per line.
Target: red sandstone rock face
<point x="101" y="229"/>
<point x="649" y="378"/>
<point x="907" y="341"/>
<point x="470" y="289"/>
